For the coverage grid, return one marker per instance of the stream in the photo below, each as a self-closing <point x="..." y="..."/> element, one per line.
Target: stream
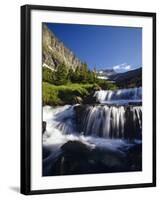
<point x="102" y="138"/>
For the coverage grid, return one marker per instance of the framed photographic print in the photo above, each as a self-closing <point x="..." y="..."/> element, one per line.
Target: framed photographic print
<point x="88" y="99"/>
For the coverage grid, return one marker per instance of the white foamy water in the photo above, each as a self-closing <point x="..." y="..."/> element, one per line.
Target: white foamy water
<point x="120" y="97"/>
<point x="61" y="128"/>
<point x="112" y="121"/>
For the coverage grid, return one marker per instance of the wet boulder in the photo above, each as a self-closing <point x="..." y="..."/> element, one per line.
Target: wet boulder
<point x="44" y="124"/>
<point x="76" y="148"/>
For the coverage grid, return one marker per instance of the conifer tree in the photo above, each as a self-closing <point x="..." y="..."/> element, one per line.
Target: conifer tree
<point x="61" y="75"/>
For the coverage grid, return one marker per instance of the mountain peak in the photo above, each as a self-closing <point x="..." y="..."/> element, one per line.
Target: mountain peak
<point x="54" y="52"/>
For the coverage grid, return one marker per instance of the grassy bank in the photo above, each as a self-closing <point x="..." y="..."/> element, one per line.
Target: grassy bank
<point x="65" y="94"/>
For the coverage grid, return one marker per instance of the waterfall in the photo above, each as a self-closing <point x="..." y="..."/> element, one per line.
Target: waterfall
<point x="98" y="138"/>
<point x="112" y="131"/>
<point x="100" y="120"/>
<point x="93" y="120"/>
<point x="123" y="96"/>
<point x="60" y="121"/>
<point x="91" y="124"/>
<point x="111" y="121"/>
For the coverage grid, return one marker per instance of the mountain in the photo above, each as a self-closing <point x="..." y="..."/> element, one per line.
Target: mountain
<point x="132" y="78"/>
<point x="128" y="79"/>
<point x="106" y="73"/>
<point x="54" y="52"/>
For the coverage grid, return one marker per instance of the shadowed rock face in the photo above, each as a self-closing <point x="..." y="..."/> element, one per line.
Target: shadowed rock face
<point x="55" y="53"/>
<point x="75" y="157"/>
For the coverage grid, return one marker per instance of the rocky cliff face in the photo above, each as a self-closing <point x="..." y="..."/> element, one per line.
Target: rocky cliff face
<point x="55" y="53"/>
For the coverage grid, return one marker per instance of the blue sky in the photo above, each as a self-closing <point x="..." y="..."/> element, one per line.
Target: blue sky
<point x="102" y="47"/>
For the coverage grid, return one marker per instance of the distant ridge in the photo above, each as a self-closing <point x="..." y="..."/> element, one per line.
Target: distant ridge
<point x="128" y="79"/>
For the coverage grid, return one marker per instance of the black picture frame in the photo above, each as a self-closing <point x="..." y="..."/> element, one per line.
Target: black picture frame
<point x="26" y="98"/>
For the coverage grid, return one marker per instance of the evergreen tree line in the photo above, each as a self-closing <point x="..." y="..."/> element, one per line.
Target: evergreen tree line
<point x="62" y="75"/>
<point x="81" y="75"/>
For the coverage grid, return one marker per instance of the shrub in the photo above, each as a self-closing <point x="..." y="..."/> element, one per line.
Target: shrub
<point x="47" y="75"/>
<point x="64" y="94"/>
<point x="106" y="85"/>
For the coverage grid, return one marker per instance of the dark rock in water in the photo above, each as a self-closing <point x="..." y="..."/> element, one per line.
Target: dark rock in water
<point x="79" y="110"/>
<point x="80" y="158"/>
<point x="44" y="124"/>
<point x="135" y="103"/>
<point x="76" y="147"/>
<point x="134" y="156"/>
<point x="110" y="159"/>
<point x="51" y="162"/>
<point x="90" y="100"/>
<point x="45" y="152"/>
<point x="76" y="157"/>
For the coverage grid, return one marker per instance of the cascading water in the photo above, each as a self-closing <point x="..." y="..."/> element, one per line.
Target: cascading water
<point x="111" y="128"/>
<point x="106" y="121"/>
<point x="122" y="96"/>
<point x="60" y="121"/>
<point x="111" y="121"/>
